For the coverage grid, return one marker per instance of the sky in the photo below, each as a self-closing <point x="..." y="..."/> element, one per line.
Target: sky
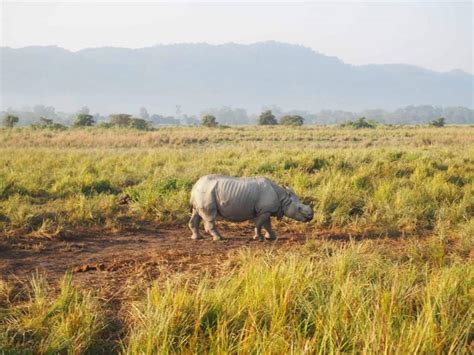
<point x="434" y="35"/>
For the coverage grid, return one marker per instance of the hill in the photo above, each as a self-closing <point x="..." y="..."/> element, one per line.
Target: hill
<point x="198" y="76"/>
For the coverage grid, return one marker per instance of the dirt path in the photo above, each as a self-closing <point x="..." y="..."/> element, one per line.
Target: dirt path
<point x="112" y="263"/>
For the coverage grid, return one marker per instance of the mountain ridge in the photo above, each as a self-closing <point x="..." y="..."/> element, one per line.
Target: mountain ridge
<point x="454" y="70"/>
<point x="201" y="75"/>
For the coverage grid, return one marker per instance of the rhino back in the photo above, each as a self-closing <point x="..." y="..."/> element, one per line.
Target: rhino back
<point x="240" y="199"/>
<point x="236" y="198"/>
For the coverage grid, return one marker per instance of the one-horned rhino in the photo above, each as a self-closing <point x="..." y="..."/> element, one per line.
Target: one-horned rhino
<point x="241" y="199"/>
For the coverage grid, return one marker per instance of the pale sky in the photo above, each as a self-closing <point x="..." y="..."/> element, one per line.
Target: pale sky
<point x="434" y="35"/>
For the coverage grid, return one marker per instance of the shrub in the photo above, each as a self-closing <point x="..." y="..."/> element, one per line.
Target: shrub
<point x="439" y="122"/>
<point x="292" y="120"/>
<point x="209" y="121"/>
<point x="84" y="120"/>
<point x="49" y="124"/>
<point x="361" y="122"/>
<point x="124" y="120"/>
<point x="139" y="123"/>
<point x="120" y="119"/>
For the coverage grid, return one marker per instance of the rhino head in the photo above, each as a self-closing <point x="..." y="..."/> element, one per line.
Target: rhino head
<point x="294" y="208"/>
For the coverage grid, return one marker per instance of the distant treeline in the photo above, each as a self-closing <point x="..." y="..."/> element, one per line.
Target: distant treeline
<point x="421" y="114"/>
<point x="226" y="115"/>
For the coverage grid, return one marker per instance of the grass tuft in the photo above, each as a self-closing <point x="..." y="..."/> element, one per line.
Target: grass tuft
<point x="68" y="322"/>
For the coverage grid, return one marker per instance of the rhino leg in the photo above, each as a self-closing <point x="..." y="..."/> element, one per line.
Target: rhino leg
<point x="260" y="222"/>
<point x="209" y="214"/>
<point x="194" y="225"/>
<point x="270" y="235"/>
<point x="212" y="229"/>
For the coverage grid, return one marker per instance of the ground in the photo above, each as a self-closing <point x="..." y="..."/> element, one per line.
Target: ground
<point x="113" y="262"/>
<point x="110" y="261"/>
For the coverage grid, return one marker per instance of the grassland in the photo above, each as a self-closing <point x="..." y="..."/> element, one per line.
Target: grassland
<point x="410" y="291"/>
<point x="388" y="181"/>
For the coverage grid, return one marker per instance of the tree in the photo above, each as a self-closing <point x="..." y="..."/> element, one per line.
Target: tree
<point x="267" y="118"/>
<point x="139" y="123"/>
<point x="439" y="122"/>
<point x="10" y="120"/>
<point x="84" y="120"/>
<point x="144" y="113"/>
<point x="120" y="119"/>
<point x="292" y="120"/>
<point x="209" y="121"/>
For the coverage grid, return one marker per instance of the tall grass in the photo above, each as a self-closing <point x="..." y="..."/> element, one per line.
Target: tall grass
<point x="332" y="300"/>
<point x="385" y="188"/>
<point x="46" y="323"/>
<point x="325" y="297"/>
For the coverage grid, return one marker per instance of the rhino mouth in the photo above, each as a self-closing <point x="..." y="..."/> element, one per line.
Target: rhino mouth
<point x="308" y="218"/>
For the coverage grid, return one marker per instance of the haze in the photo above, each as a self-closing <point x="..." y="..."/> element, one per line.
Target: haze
<point x="438" y="36"/>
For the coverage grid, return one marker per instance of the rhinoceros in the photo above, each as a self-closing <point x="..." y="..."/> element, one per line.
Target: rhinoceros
<point x="241" y="199"/>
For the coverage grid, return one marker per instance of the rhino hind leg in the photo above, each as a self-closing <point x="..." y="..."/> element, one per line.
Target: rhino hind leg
<point x="194" y="225"/>
<point x="209" y="215"/>
<point x="212" y="229"/>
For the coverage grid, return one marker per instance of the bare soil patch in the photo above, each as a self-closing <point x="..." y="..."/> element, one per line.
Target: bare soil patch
<point x="113" y="262"/>
<point x="114" y="265"/>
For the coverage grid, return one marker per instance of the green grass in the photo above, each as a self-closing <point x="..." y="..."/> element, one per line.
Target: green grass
<point x="59" y="181"/>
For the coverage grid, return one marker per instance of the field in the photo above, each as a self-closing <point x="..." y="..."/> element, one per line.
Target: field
<point x="95" y="254"/>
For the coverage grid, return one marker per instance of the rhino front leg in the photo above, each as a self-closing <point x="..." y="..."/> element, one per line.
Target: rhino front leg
<point x="260" y="222"/>
<point x="268" y="227"/>
<point x="194" y="225"/>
